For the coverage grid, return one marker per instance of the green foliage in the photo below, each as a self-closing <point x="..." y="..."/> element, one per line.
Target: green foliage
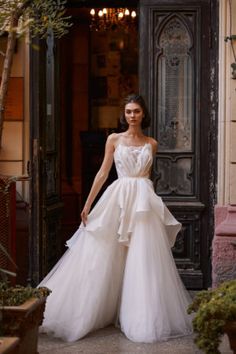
<point x="213" y="309"/>
<point x="17" y="295"/>
<point x="40" y="17"/>
<point x="48" y="16"/>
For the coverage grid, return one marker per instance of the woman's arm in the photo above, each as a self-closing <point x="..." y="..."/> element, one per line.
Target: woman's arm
<point x="100" y="177"/>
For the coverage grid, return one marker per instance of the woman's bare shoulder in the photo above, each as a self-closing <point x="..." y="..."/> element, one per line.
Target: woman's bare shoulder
<point x="111" y="142"/>
<point x="114" y="138"/>
<point x="154" y="143"/>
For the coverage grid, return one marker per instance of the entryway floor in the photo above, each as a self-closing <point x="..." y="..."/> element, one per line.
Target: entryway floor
<point x="110" y="340"/>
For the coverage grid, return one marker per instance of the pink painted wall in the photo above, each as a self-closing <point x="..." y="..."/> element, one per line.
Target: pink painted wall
<point x="224" y="245"/>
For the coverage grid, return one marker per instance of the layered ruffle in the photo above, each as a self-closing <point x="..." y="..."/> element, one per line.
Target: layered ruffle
<point x="120" y="207"/>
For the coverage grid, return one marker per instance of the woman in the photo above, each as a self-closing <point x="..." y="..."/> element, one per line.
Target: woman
<point x="119" y="267"/>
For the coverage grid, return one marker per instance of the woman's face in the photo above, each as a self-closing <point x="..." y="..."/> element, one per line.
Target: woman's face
<point x="133" y="114"/>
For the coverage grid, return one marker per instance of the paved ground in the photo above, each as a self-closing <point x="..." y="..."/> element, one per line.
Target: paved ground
<point x="110" y="340"/>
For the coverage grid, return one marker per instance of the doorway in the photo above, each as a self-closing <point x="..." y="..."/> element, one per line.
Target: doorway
<point x="98" y="66"/>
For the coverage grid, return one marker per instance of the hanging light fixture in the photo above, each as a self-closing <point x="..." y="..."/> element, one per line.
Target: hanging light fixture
<point x="112" y="19"/>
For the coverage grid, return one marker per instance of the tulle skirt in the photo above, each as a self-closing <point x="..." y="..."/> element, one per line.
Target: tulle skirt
<point x="119" y="269"/>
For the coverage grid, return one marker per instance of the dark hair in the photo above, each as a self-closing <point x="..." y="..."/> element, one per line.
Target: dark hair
<point x="139" y="100"/>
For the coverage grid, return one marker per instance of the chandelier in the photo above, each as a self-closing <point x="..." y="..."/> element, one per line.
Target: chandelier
<point x="112" y="19"/>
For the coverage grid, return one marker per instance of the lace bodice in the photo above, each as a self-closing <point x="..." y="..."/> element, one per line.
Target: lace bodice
<point x="133" y="161"/>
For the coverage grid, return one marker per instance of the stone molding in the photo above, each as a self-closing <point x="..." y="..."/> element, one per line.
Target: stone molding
<point x="228" y="226"/>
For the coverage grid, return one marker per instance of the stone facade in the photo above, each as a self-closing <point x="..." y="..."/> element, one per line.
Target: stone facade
<point x="224" y="242"/>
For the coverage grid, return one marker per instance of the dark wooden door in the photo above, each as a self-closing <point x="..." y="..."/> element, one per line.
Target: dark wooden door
<point x="46" y="204"/>
<point x="178" y="65"/>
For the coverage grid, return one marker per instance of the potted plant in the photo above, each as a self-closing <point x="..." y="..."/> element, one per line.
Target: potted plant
<point x="215" y="314"/>
<point x="21" y="313"/>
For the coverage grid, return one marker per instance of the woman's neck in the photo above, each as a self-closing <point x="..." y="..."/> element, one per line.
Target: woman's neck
<point x="134" y="132"/>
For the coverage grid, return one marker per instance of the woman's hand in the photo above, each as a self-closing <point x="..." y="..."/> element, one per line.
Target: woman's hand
<point x="84" y="214"/>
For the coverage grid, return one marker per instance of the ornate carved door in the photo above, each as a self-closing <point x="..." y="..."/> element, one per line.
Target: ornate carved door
<point x="178" y="62"/>
<point x="46" y="205"/>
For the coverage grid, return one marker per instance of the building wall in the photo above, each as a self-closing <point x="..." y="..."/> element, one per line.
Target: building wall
<point x="14" y="153"/>
<point x="227" y="106"/>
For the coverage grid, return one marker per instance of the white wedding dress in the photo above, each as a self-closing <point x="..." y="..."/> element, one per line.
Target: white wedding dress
<point x="119" y="268"/>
